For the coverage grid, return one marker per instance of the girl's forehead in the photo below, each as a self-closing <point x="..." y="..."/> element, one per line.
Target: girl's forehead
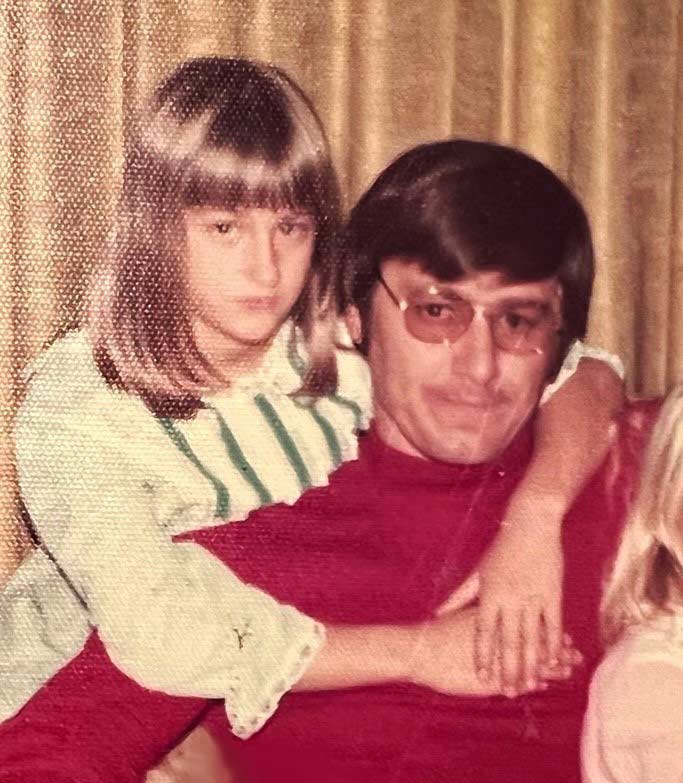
<point x="210" y="213"/>
<point x="234" y="192"/>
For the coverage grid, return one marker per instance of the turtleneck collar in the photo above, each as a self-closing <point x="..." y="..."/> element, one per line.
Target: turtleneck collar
<point x="395" y="466"/>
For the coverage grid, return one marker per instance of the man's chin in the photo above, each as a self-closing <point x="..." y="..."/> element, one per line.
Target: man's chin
<point x="464" y="447"/>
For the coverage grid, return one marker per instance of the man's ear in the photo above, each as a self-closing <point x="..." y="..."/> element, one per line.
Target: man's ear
<point x="353" y="324"/>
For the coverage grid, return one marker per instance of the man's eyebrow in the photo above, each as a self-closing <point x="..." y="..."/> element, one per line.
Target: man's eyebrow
<point x="523" y="301"/>
<point x="434" y="289"/>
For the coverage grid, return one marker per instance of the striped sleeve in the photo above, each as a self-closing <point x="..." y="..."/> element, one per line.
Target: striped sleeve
<point x="171" y="616"/>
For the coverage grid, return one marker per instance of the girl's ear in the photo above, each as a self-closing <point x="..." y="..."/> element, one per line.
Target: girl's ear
<point x="353" y="324"/>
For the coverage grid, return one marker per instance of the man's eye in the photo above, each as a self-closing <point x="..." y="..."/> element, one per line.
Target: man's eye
<point x="436" y="311"/>
<point x="517" y="322"/>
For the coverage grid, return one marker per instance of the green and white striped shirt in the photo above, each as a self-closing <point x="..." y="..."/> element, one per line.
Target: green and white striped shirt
<point x="108" y="485"/>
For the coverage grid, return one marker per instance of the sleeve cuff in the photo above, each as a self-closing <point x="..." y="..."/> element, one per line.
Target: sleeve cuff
<point x="249" y="706"/>
<point x="578" y="351"/>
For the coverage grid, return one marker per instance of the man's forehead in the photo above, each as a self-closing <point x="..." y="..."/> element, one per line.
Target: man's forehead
<point x="485" y="286"/>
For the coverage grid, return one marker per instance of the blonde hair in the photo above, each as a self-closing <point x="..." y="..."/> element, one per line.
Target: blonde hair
<point x="647" y="576"/>
<point x="223" y="132"/>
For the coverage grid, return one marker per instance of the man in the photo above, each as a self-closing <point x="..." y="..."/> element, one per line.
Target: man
<point x="469" y="275"/>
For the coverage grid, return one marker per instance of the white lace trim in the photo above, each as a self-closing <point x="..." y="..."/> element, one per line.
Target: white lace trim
<point x="244" y="725"/>
<point x="578" y="351"/>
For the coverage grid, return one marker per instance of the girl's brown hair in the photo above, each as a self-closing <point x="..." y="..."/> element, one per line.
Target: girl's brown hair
<point x="222" y="132"/>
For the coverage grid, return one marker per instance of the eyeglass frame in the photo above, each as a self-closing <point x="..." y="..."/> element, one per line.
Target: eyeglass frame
<point x="404" y="306"/>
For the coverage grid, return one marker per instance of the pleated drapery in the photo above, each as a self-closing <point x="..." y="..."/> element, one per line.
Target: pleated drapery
<point x="591" y="87"/>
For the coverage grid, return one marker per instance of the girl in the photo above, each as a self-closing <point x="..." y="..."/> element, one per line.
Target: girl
<point x="205" y="384"/>
<point x="634" y="725"/>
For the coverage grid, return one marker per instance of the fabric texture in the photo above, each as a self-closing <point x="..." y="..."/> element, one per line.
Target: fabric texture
<point x="107" y="486"/>
<point x="634" y="723"/>
<point x="386" y="541"/>
<point x="593" y="90"/>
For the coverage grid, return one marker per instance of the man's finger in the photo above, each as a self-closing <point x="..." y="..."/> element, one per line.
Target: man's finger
<point x="531" y="630"/>
<point x="511" y="639"/>
<point x="486" y="641"/>
<point x="552" y="617"/>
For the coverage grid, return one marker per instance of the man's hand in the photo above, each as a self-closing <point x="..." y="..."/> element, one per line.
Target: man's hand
<point x="519" y="634"/>
<point x="520" y="604"/>
<point x="443" y="659"/>
<point x="520" y="578"/>
<point x="198" y="759"/>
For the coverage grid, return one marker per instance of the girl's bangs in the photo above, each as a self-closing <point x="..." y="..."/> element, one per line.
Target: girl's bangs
<point x="228" y="182"/>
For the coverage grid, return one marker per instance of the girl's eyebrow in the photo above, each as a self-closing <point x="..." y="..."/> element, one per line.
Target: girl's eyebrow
<point x="207" y="211"/>
<point x="297" y="212"/>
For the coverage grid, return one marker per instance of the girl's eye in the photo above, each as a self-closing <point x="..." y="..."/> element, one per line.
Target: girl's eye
<point x="223" y="228"/>
<point x="288" y="227"/>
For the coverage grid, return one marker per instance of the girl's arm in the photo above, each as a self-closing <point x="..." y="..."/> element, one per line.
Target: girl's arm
<point x="95" y="725"/>
<point x="170" y="615"/>
<point x="520" y="579"/>
<point x="42" y="625"/>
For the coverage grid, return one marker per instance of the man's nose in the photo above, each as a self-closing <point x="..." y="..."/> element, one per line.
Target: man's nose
<point x="264" y="266"/>
<point x="475" y="354"/>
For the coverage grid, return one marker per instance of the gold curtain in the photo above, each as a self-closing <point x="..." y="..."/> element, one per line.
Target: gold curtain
<point x="591" y="87"/>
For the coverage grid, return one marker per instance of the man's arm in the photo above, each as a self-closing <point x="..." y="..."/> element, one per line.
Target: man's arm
<point x="521" y="576"/>
<point x="92" y="724"/>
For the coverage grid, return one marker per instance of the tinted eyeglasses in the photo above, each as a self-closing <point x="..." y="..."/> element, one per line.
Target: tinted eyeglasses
<point x="436" y="317"/>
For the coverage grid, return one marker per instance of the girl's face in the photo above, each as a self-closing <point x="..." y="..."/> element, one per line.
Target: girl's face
<point x="245" y="270"/>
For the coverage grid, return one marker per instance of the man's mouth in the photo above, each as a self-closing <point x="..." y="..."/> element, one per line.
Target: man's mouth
<point x="452" y="398"/>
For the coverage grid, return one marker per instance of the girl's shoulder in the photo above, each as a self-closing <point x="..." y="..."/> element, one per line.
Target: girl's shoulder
<point x="64" y="382"/>
<point x="64" y="369"/>
<point x="353" y="372"/>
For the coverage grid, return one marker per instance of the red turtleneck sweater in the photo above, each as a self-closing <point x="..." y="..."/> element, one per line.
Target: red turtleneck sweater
<point x="386" y="542"/>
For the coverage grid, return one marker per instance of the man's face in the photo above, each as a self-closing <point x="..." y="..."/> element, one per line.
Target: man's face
<point x="464" y="401"/>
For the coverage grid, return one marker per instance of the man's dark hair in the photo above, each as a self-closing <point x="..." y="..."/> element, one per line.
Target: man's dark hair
<point x="468" y="206"/>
